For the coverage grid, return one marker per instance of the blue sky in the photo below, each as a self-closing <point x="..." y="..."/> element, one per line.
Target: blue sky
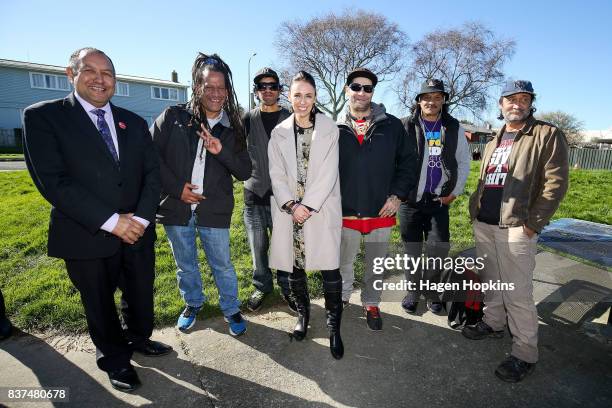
<point x="564" y="48"/>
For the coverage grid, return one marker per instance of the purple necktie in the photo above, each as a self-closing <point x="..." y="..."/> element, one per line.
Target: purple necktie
<point x="105" y="132"/>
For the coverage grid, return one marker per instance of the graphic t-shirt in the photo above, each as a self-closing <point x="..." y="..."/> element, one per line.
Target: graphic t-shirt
<point x="497" y="170"/>
<point x="434" y="144"/>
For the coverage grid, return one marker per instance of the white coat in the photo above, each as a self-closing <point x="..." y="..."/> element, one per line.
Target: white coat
<point x="322" y="193"/>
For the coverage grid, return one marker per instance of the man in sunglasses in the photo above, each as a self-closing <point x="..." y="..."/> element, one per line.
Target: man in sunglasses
<point x="258" y="124"/>
<point x="443" y="165"/>
<point x="377" y="170"/>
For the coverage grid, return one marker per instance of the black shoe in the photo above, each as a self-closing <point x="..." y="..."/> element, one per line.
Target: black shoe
<point x="480" y="331"/>
<point x="6" y="328"/>
<point x="373" y="318"/>
<point x="514" y="369"/>
<point x="256" y="300"/>
<point x="124" y="379"/>
<point x="409" y="305"/>
<point x="151" y="348"/>
<point x="434" y="307"/>
<point x="290" y="303"/>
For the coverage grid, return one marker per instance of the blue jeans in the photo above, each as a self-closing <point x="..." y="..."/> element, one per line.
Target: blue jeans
<point x="216" y="245"/>
<point x="258" y="223"/>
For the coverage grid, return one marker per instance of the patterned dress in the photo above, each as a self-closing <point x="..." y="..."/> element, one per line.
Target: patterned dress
<point x="303" y="139"/>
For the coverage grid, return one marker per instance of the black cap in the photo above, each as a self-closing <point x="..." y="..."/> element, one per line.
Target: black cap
<point x="518" y="86"/>
<point x="263" y="73"/>
<point x="430" y="86"/>
<point x="361" y="72"/>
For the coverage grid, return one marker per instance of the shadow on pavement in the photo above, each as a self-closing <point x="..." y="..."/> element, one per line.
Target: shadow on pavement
<point x="410" y="362"/>
<point x="52" y="369"/>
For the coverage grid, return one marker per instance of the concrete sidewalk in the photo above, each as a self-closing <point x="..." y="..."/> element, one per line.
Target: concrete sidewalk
<point x="12" y="165"/>
<point x="415" y="361"/>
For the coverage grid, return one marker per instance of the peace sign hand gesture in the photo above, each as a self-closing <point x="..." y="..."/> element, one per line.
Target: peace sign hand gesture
<point x="211" y="143"/>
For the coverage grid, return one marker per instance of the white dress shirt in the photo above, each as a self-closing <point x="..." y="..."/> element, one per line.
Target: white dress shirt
<point x="111" y="223"/>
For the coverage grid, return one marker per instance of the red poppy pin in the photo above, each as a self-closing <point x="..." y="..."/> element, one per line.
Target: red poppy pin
<point x="122" y="125"/>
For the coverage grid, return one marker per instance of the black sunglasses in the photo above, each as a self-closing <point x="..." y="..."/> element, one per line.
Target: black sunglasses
<point x="355" y="87"/>
<point x="272" y="86"/>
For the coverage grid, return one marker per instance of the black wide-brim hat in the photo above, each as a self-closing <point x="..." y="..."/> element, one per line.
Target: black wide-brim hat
<point x="431" y="86"/>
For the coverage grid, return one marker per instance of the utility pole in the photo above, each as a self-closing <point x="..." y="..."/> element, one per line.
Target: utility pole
<point x="249" y="81"/>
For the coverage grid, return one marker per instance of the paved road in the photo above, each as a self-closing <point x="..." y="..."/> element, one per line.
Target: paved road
<point x="415" y="361"/>
<point x="12" y="165"/>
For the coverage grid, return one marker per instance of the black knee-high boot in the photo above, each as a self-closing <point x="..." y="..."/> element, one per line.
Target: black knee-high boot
<point x="299" y="294"/>
<point x="333" y="307"/>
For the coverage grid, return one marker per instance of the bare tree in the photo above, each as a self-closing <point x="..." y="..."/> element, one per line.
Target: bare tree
<point x="330" y="46"/>
<point x="468" y="59"/>
<point x="567" y="123"/>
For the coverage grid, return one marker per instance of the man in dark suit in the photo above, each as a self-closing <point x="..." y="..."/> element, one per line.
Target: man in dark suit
<point x="6" y="328"/>
<point x="97" y="166"/>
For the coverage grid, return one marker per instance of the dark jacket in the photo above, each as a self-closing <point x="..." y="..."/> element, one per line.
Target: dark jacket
<point x="455" y="155"/>
<point x="73" y="169"/>
<point x="537" y="180"/>
<point x="385" y="164"/>
<point x="257" y="142"/>
<point x="176" y="140"/>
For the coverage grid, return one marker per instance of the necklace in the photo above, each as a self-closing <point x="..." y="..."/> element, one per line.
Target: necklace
<point x="424" y="124"/>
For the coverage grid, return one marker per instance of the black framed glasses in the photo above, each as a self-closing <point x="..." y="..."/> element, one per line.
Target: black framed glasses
<point x="271" y="86"/>
<point x="355" y="87"/>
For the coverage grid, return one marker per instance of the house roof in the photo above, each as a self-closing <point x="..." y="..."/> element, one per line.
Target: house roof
<point x="55" y="69"/>
<point x="476" y="129"/>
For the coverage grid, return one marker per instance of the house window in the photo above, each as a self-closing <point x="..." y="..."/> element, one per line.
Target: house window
<point x="122" y="89"/>
<point x="49" y="81"/>
<point x="169" y="94"/>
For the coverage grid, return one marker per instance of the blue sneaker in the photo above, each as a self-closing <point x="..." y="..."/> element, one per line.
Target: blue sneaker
<point x="187" y="318"/>
<point x="237" y="325"/>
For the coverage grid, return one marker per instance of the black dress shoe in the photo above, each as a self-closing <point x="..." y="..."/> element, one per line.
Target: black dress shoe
<point x="151" y="348"/>
<point x="124" y="379"/>
<point x="6" y="328"/>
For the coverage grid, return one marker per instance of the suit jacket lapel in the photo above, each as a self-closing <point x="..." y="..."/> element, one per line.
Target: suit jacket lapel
<point x="86" y="127"/>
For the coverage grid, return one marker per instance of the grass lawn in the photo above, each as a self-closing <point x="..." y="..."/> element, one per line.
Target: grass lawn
<point x="11" y="156"/>
<point x="40" y="296"/>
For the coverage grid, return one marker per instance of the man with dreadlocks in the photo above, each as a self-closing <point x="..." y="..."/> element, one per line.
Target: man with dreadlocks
<point x="201" y="146"/>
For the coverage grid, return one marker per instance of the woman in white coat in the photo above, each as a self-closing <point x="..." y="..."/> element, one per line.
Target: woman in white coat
<point x="306" y="206"/>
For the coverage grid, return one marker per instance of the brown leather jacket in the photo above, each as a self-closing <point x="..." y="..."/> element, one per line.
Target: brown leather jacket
<point x="537" y="180"/>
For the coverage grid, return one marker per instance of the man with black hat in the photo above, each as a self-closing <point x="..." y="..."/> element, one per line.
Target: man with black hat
<point x="377" y="170"/>
<point x="444" y="165"/>
<point x="258" y="124"/>
<point x="523" y="178"/>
